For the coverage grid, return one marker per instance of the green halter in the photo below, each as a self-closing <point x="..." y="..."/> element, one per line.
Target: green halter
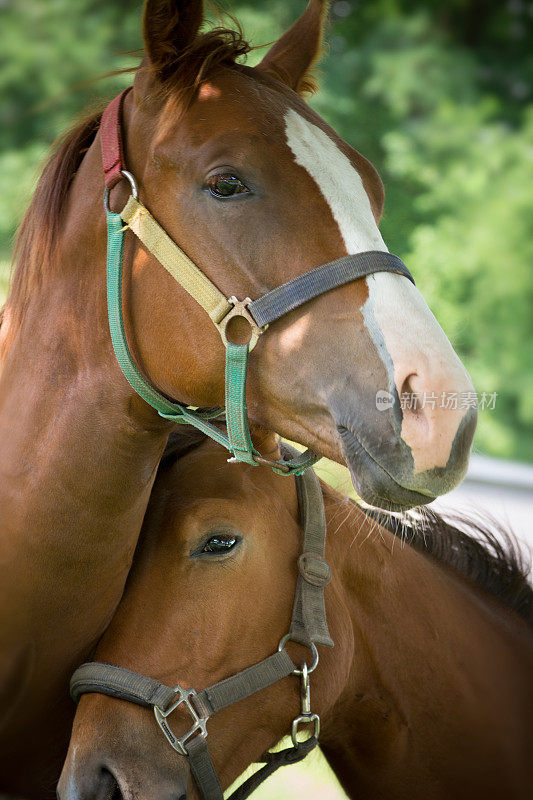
<point x="237" y="440"/>
<point x="221" y="310"/>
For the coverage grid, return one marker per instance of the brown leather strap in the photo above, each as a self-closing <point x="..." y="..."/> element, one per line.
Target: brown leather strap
<point x="111" y="137"/>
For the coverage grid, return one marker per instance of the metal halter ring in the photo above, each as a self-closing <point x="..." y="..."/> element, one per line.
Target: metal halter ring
<point x="305" y="719"/>
<point x="312" y="647"/>
<point x="134" y="191"/>
<point x="240" y="310"/>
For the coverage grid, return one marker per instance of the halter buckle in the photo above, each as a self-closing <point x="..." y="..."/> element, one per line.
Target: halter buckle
<point x="239" y="309"/>
<point x="199" y="727"/>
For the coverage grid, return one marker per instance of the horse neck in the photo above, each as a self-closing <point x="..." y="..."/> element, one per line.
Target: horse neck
<point x="438" y="675"/>
<point x="78" y="449"/>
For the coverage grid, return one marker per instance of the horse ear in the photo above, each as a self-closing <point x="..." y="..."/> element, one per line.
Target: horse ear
<point x="293" y="56"/>
<point x="169" y="26"/>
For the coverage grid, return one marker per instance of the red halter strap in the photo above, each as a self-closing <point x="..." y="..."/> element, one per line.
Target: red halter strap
<point x="111" y="137"/>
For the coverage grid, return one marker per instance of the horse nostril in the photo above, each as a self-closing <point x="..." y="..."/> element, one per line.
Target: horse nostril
<point x="108" y="788"/>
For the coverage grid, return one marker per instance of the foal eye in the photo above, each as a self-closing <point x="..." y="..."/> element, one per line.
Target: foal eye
<point x="227" y="185"/>
<point x="221" y="543"/>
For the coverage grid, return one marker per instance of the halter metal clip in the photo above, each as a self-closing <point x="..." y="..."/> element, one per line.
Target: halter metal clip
<point x="240" y="309"/>
<point x="199" y="727"/>
<point x="306" y="716"/>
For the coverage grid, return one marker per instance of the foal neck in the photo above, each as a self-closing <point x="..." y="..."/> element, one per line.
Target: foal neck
<point x="438" y="701"/>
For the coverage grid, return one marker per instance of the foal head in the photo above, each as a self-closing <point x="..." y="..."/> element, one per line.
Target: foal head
<point x="258" y="189"/>
<point x="210" y="593"/>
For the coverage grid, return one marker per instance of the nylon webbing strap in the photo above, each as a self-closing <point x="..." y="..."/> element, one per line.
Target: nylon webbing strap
<point x="174" y="260"/>
<point x="247" y="682"/>
<point x="240" y="441"/>
<point x="236" y="409"/>
<point x="203" y="769"/>
<point x="111" y="138"/>
<point x="293" y="294"/>
<point x="166" y="408"/>
<point x="97" y="677"/>
<point x="309" y="623"/>
<point x="297" y="465"/>
<point x="115" y="252"/>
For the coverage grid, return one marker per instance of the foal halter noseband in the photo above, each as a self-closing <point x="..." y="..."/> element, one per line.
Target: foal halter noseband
<point x="257" y="313"/>
<point x="308" y="627"/>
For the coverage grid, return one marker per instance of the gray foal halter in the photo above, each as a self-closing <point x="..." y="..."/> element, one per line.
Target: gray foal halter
<point x="308" y="627"/>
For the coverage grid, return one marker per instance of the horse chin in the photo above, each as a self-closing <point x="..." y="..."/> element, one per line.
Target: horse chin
<point x="372" y="482"/>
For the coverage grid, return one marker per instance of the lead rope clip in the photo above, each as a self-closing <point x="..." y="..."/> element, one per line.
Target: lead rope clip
<point x="306" y="716"/>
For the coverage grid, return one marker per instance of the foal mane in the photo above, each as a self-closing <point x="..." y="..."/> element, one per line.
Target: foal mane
<point x="476" y="547"/>
<point x="183" y="440"/>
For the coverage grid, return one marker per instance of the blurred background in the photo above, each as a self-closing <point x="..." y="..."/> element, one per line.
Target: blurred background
<point x="439" y="97"/>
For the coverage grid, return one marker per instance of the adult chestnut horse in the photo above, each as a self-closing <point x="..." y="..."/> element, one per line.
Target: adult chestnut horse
<point x="426" y="694"/>
<point x="238" y="170"/>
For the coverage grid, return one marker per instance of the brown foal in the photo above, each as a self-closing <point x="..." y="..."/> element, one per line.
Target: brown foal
<point x="426" y="694"/>
<point x="79" y="450"/>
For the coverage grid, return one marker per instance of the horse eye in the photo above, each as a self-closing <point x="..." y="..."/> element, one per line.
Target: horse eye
<point x="221" y="543"/>
<point x="222" y="186"/>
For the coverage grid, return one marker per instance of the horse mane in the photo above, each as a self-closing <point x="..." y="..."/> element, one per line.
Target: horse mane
<point x="476" y="547"/>
<point x="37" y="235"/>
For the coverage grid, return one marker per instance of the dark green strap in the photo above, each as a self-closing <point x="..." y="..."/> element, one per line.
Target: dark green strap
<point x="115" y="255"/>
<point x="236" y="410"/>
<point x="237" y="418"/>
<point x="166" y="408"/>
<point x="296" y="465"/>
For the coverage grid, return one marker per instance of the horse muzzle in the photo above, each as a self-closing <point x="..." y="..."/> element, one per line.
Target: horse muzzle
<point x="82" y="779"/>
<point x="383" y="471"/>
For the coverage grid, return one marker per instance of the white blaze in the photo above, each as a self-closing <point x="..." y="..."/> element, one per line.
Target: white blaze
<point x="407" y="336"/>
<point x="338" y="181"/>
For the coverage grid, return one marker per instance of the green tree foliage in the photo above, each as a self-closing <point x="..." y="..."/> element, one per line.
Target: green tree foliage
<point x="437" y="95"/>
